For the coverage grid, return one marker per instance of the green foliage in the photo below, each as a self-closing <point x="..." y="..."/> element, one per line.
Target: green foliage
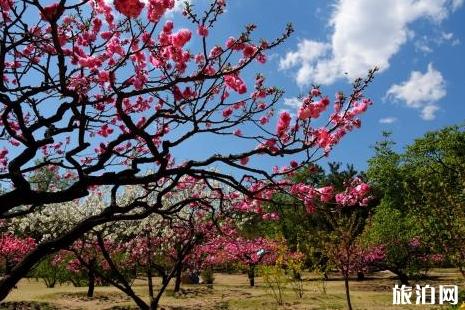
<point x="435" y="171"/>
<point x="285" y="272"/>
<point x="208" y="276"/>
<point x="276" y="281"/>
<point x="384" y="173"/>
<point x="421" y="194"/>
<point x="51" y="273"/>
<point x="44" y="179"/>
<point x="311" y="233"/>
<point x="392" y="229"/>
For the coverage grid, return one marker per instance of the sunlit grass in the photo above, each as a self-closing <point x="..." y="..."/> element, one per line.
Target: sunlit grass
<point x="233" y="292"/>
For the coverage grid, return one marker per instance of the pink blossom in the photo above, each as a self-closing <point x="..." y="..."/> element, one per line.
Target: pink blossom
<point x="103" y="76"/>
<point x="356" y="193"/>
<point x="215" y="52"/>
<point x="129" y="8"/>
<point x="263" y="120"/>
<point x="168" y="27"/>
<point x="249" y="50"/>
<point x="52" y="12"/>
<point x="157" y="8"/>
<point x="3" y="158"/>
<point x="326" y="193"/>
<point x="180" y="38"/>
<point x="14" y="249"/>
<point x="234" y="44"/>
<point x="202" y="31"/>
<point x="105" y="131"/>
<point x="315" y="92"/>
<point x="234" y="82"/>
<point x="227" y="112"/>
<point x="283" y="123"/>
<point x="261" y="58"/>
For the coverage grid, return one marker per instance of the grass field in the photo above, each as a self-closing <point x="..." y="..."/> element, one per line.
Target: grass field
<point x="233" y="292"/>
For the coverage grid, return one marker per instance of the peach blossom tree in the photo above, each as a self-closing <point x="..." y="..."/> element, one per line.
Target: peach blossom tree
<point x="109" y="94"/>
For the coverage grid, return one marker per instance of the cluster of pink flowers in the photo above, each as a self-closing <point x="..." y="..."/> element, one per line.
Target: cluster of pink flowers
<point x="307" y="193"/>
<point x="234" y="82"/>
<point x="272" y="216"/>
<point x="374" y="254"/>
<point x="415" y="242"/>
<point x="283" y="125"/>
<point x="172" y="47"/>
<point x="255" y="251"/>
<point x="105" y="131"/>
<point x="5" y="6"/>
<point x="13" y="248"/>
<point x="248" y="50"/>
<point x="157" y="8"/>
<point x="3" y="158"/>
<point x="436" y="258"/>
<point x="326" y="193"/>
<point x="129" y="8"/>
<point x="132" y="8"/>
<point x="311" y="109"/>
<point x="180" y="38"/>
<point x="143" y="248"/>
<point x="231" y="247"/>
<point x="52" y="12"/>
<point x="202" y="31"/>
<point x="356" y="193"/>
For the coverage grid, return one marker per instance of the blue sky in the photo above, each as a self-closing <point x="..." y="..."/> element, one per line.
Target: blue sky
<point x="419" y="46"/>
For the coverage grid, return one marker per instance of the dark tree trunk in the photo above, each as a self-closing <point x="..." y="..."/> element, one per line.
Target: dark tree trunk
<point x="346" y="284"/>
<point x="91" y="279"/>
<point x="177" y="283"/>
<point x="8" y="266"/>
<point x="360" y="276"/>
<point x="403" y="278"/>
<point x="164" y="279"/>
<point x="150" y="282"/>
<point x="251" y="274"/>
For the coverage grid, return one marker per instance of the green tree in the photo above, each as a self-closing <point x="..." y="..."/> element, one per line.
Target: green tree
<point x="421" y="212"/>
<point x="434" y="166"/>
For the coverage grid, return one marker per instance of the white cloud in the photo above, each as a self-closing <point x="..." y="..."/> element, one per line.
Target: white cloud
<point x="179" y="5"/>
<point x="427" y="43"/>
<point x="448" y="37"/>
<point x="421" y="91"/>
<point x="307" y="53"/>
<point x="293" y="102"/>
<point x="388" y="120"/>
<point x="422" y="46"/>
<point x="456" y="4"/>
<point x="428" y="112"/>
<point x="365" y="33"/>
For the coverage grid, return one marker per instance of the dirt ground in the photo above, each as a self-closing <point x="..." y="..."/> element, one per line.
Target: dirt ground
<point x="230" y="291"/>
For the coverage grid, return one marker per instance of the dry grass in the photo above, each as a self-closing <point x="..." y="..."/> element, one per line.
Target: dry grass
<point x="233" y="292"/>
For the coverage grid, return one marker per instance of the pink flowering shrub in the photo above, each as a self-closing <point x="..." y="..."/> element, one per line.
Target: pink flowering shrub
<point x="13" y="249"/>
